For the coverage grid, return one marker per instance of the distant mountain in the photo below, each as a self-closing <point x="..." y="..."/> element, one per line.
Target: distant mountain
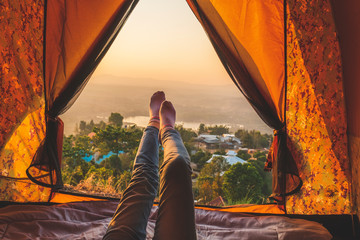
<point x="193" y="102"/>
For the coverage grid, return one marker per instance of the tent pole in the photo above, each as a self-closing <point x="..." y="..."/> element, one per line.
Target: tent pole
<point x="285" y="97"/>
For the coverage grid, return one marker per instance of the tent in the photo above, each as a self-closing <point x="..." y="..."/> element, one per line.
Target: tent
<point x="295" y="62"/>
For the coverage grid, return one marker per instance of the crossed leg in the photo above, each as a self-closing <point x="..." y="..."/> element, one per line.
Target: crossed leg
<point x="176" y="208"/>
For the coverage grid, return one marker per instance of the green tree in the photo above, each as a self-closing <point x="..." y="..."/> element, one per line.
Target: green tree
<point x="243" y="154"/>
<point x="218" y="130"/>
<point x="116" y="119"/>
<point x="210" y="179"/>
<point x="242" y="181"/>
<point x="186" y="134"/>
<point x="219" y="165"/>
<point x="253" y="139"/>
<point x="220" y="152"/>
<point x="101" y="125"/>
<point x="132" y="137"/>
<point x="82" y="126"/>
<point x="266" y="188"/>
<point x="113" y="163"/>
<point x="259" y="154"/>
<point x="75" y="148"/>
<point x="109" y="139"/>
<point x="200" y="158"/>
<point x="202" y="128"/>
<point x="126" y="161"/>
<point x="91" y="125"/>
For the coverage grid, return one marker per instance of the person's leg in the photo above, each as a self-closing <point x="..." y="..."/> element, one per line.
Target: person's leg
<point x="131" y="216"/>
<point x="176" y="208"/>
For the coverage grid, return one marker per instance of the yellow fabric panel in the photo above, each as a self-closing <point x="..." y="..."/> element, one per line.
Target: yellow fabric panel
<point x="23" y="191"/>
<point x="254" y="32"/>
<point x="22" y="104"/>
<point x="75" y="28"/>
<point x="316" y="118"/>
<point x="21" y="82"/>
<point x="15" y="158"/>
<point x="66" y="198"/>
<point x="248" y="208"/>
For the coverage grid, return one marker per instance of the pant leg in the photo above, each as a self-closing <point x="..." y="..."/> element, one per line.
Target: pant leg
<point x="176" y="218"/>
<point x="131" y="216"/>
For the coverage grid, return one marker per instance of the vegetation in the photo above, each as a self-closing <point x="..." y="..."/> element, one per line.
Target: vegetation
<point x="112" y="174"/>
<point x="243" y="154"/>
<point x="253" y="139"/>
<point x="213" y="130"/>
<point x="113" y="149"/>
<point x="210" y="181"/>
<point x="242" y="181"/>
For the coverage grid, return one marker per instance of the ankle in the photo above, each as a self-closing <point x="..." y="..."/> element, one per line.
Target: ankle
<point x="155" y="122"/>
<point x="167" y="126"/>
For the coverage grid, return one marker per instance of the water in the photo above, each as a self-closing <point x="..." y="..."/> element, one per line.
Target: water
<point x="142" y="121"/>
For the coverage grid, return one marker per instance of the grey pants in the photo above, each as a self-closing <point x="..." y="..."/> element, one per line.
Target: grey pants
<point x="176" y="208"/>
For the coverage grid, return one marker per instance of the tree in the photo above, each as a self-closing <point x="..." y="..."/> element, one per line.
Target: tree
<point x="101" y="125"/>
<point x="82" y="126"/>
<point x="220" y="152"/>
<point x="126" y="161"/>
<point x="219" y="165"/>
<point x="242" y="181"/>
<point x="243" y="154"/>
<point x="186" y="134"/>
<point x="75" y="148"/>
<point x="210" y="179"/>
<point x="202" y="128"/>
<point x="109" y="139"/>
<point x="200" y="158"/>
<point x="91" y="125"/>
<point x="253" y="139"/>
<point x="218" y="130"/>
<point x="116" y="119"/>
<point x="266" y="187"/>
<point x="259" y="154"/>
<point x="113" y="163"/>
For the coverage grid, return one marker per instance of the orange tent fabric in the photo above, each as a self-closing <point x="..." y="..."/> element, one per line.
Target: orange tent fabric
<point x="77" y="36"/>
<point x="49" y="50"/>
<point x="347" y="17"/>
<point x="22" y="100"/>
<point x="301" y="80"/>
<point x="249" y="39"/>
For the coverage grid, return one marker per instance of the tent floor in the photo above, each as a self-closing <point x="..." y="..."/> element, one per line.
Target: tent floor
<point x="88" y="220"/>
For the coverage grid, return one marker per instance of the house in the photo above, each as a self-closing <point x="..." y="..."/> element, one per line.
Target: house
<point x="226" y="141"/>
<point x="230" y="157"/>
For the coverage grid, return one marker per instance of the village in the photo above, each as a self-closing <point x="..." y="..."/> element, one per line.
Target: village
<point x="98" y="159"/>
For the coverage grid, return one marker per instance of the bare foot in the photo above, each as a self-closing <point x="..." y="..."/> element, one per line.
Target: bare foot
<point x="155" y="103"/>
<point x="167" y="115"/>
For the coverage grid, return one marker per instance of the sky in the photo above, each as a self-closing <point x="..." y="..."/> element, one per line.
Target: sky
<point x="163" y="40"/>
<point x="163" y="44"/>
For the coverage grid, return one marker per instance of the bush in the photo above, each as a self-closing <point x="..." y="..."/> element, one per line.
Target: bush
<point x="242" y="181"/>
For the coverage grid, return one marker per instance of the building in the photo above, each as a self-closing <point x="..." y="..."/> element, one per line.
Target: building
<point x="226" y="141"/>
<point x="230" y="157"/>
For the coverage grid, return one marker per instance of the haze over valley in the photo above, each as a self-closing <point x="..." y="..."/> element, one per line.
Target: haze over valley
<point x="194" y="103"/>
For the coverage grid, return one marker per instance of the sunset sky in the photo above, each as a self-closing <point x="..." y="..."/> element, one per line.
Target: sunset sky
<point x="163" y="40"/>
<point x="162" y="46"/>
